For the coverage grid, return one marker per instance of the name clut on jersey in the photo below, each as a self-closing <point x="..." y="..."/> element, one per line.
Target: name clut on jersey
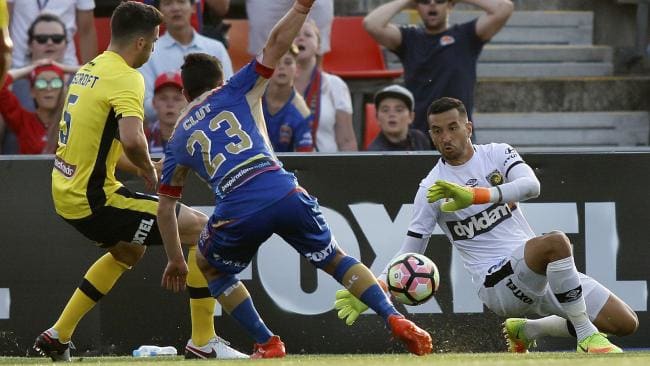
<point x="222" y="137"/>
<point x="484" y="234"/>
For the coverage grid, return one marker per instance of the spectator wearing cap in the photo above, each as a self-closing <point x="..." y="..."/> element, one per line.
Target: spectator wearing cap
<point x="168" y="101"/>
<point x="394" y="106"/>
<point x="439" y="60"/>
<point x="37" y="132"/>
<point x="179" y="40"/>
<point x="288" y="118"/>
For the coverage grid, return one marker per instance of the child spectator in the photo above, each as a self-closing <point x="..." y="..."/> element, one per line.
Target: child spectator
<point x="179" y="40"/>
<point x="168" y="101"/>
<point x="394" y="105"/>
<point x="288" y="119"/>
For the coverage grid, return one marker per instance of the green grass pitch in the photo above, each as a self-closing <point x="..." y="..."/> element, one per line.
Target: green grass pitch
<point x="446" y="359"/>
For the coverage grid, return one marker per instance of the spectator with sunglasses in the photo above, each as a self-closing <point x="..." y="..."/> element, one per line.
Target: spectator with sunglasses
<point x="76" y="14"/>
<point x="46" y="40"/>
<point x="36" y="131"/>
<point x="439" y="60"/>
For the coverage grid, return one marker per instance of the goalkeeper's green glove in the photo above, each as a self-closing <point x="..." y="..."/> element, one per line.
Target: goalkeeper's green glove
<point x="460" y="196"/>
<point x="349" y="306"/>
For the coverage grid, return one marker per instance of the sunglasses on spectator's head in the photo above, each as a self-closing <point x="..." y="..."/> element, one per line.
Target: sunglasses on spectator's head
<point x="42" y="38"/>
<point x="429" y="2"/>
<point x="42" y="84"/>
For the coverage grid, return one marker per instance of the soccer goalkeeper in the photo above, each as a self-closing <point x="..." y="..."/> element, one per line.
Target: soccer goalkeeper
<point x="472" y="194"/>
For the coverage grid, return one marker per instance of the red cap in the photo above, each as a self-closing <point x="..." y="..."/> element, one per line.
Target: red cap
<point x="40" y="69"/>
<point x="172" y="78"/>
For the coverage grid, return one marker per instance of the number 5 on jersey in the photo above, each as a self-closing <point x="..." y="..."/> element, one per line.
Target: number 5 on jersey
<point x="64" y="127"/>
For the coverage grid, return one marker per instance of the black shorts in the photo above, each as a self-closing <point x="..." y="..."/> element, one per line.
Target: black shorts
<point x="127" y="216"/>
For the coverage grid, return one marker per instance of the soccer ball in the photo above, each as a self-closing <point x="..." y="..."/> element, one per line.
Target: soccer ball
<point x="412" y="278"/>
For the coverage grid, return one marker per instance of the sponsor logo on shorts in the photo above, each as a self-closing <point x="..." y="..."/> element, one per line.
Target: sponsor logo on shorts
<point x="321" y="255"/>
<point x="66" y="169"/>
<point x="228" y="262"/>
<point x="480" y="223"/>
<point x="518" y="293"/>
<point x="143" y="231"/>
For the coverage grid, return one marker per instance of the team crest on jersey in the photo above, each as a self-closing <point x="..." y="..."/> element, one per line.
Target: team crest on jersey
<point x="286" y="134"/>
<point x="495" y="178"/>
<point x="447" y="40"/>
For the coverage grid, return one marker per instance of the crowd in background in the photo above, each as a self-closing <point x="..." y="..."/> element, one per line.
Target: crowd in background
<point x="305" y="107"/>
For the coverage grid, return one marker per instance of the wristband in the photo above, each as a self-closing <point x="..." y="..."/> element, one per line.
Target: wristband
<point x="481" y="195"/>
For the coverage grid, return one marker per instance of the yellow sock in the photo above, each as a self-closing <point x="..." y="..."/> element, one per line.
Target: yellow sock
<point x="97" y="282"/>
<point x="201" y="302"/>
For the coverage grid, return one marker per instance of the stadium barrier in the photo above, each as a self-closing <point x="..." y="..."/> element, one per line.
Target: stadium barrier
<point x="599" y="199"/>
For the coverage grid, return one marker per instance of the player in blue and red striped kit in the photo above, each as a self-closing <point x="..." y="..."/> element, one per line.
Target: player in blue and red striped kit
<point x="222" y="137"/>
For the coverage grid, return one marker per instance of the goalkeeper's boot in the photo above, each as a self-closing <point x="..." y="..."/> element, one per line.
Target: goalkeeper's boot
<point x="513" y="330"/>
<point x="215" y="348"/>
<point x="417" y="340"/>
<point x="597" y="343"/>
<point x="48" y="344"/>
<point x="273" y="348"/>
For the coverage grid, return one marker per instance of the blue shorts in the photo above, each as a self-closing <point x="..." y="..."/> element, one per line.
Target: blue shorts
<point x="230" y="244"/>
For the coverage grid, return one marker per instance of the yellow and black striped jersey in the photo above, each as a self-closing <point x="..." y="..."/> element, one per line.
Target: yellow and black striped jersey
<point x="101" y="92"/>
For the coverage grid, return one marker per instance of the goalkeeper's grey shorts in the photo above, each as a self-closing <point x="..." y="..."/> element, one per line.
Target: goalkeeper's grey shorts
<point x="514" y="290"/>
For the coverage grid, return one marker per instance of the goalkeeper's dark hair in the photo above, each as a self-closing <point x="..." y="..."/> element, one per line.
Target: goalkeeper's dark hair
<point x="445" y="104"/>
<point x="132" y="19"/>
<point x="200" y="72"/>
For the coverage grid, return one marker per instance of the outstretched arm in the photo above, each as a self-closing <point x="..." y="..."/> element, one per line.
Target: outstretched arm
<point x="497" y="13"/>
<point x="377" y="23"/>
<point x="284" y="32"/>
<point x="522" y="185"/>
<point x="87" y="35"/>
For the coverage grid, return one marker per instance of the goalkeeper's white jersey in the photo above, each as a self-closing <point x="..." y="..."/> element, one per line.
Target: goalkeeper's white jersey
<point x="484" y="234"/>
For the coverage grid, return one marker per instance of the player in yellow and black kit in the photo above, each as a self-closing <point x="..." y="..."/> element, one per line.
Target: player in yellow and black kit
<point x="101" y="129"/>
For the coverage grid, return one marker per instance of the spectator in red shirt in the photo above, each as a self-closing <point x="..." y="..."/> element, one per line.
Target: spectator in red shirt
<point x="36" y="131"/>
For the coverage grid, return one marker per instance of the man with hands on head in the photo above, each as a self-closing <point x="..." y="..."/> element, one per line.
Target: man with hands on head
<point x="438" y="60"/>
<point x="473" y="182"/>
